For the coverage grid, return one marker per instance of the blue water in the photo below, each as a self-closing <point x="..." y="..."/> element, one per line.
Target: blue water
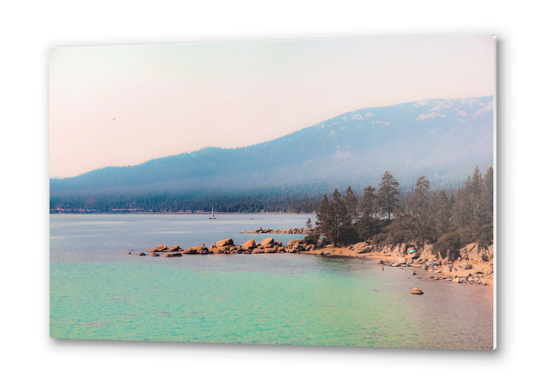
<point x="99" y="292"/>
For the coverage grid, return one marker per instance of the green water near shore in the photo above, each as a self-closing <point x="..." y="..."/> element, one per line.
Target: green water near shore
<point x="266" y="299"/>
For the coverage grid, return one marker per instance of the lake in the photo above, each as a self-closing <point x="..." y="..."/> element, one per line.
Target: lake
<point x="99" y="292"/>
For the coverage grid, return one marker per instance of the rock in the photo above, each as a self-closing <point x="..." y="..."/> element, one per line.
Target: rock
<point x="173" y="249"/>
<point x="152" y="254"/>
<point x="141" y="254"/>
<point x="293" y="241"/>
<point x="225" y="242"/>
<point x="402" y="260"/>
<point x="161" y="247"/>
<point x="380" y="262"/>
<point x="268" y="241"/>
<point x="416" y="291"/>
<point x="366" y="249"/>
<point x="468" y="266"/>
<point x="201" y="250"/>
<point x="414" y="273"/>
<point x="249" y="244"/>
<point x="128" y="253"/>
<point x="172" y="254"/>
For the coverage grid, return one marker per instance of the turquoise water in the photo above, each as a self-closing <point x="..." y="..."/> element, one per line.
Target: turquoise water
<point x="98" y="292"/>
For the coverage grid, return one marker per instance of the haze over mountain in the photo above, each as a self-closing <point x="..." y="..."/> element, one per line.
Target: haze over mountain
<point x="441" y="139"/>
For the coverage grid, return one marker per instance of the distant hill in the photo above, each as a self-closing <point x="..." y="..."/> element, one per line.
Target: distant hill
<point x="441" y="139"/>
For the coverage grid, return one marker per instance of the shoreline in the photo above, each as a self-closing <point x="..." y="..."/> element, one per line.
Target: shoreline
<point x="472" y="270"/>
<point x="389" y="258"/>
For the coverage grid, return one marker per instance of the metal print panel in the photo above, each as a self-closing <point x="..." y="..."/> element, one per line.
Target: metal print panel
<point x="317" y="192"/>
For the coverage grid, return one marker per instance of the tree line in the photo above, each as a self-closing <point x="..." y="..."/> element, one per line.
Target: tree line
<point x="448" y="221"/>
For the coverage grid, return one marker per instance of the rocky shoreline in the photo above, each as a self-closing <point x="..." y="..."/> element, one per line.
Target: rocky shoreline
<point x="472" y="266"/>
<point x="287" y="231"/>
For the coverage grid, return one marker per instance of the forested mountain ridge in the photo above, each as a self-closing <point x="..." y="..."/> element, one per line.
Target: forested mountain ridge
<point x="441" y="139"/>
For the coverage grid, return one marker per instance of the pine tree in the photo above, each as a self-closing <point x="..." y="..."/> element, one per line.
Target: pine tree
<point x="387" y="194"/>
<point x="441" y="212"/>
<point x="308" y="224"/>
<point x="486" y="209"/>
<point x="368" y="201"/>
<point x="351" y="205"/>
<point x="420" y="198"/>
<point x="323" y="219"/>
<point x="338" y="215"/>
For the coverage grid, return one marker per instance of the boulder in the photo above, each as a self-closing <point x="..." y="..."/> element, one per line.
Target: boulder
<point x="402" y="260"/>
<point x="366" y="249"/>
<point x="416" y="291"/>
<point x="414" y="273"/>
<point x="293" y="241"/>
<point x="152" y="254"/>
<point x="141" y="254"/>
<point x="161" y="247"/>
<point x="268" y="241"/>
<point x="175" y="248"/>
<point x="249" y="244"/>
<point x="201" y="250"/>
<point x="128" y="253"/>
<point x="225" y="242"/>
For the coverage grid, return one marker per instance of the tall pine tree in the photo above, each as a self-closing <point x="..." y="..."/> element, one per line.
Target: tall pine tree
<point x="387" y="194"/>
<point x="419" y="200"/>
<point x="368" y="201"/>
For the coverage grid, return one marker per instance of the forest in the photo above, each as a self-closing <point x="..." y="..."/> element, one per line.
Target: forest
<point x="449" y="221"/>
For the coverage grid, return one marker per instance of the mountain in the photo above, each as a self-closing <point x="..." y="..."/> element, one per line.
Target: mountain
<point x="443" y="139"/>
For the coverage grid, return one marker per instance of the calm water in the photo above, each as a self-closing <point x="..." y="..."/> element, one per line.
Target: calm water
<point x="98" y="292"/>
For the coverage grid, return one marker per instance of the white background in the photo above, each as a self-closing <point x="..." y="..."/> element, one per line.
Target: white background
<point x="29" y="29"/>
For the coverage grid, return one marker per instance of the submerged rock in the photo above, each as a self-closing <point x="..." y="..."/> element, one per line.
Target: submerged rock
<point x="172" y="254"/>
<point x="141" y="254"/>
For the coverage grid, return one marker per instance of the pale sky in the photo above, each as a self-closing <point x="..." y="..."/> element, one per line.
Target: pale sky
<point x="124" y="105"/>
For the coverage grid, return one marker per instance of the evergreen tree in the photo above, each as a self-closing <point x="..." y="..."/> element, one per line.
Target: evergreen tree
<point x="419" y="199"/>
<point x="338" y="216"/>
<point x="387" y="194"/>
<point x="441" y="212"/>
<point x="351" y="205"/>
<point x="323" y="219"/>
<point x="308" y="224"/>
<point x="486" y="210"/>
<point x="368" y="201"/>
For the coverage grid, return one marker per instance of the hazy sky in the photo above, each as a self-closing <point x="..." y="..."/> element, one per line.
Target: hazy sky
<point x="123" y="105"/>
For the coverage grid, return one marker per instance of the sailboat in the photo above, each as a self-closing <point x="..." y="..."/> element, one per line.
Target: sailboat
<point x="212" y="213"/>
